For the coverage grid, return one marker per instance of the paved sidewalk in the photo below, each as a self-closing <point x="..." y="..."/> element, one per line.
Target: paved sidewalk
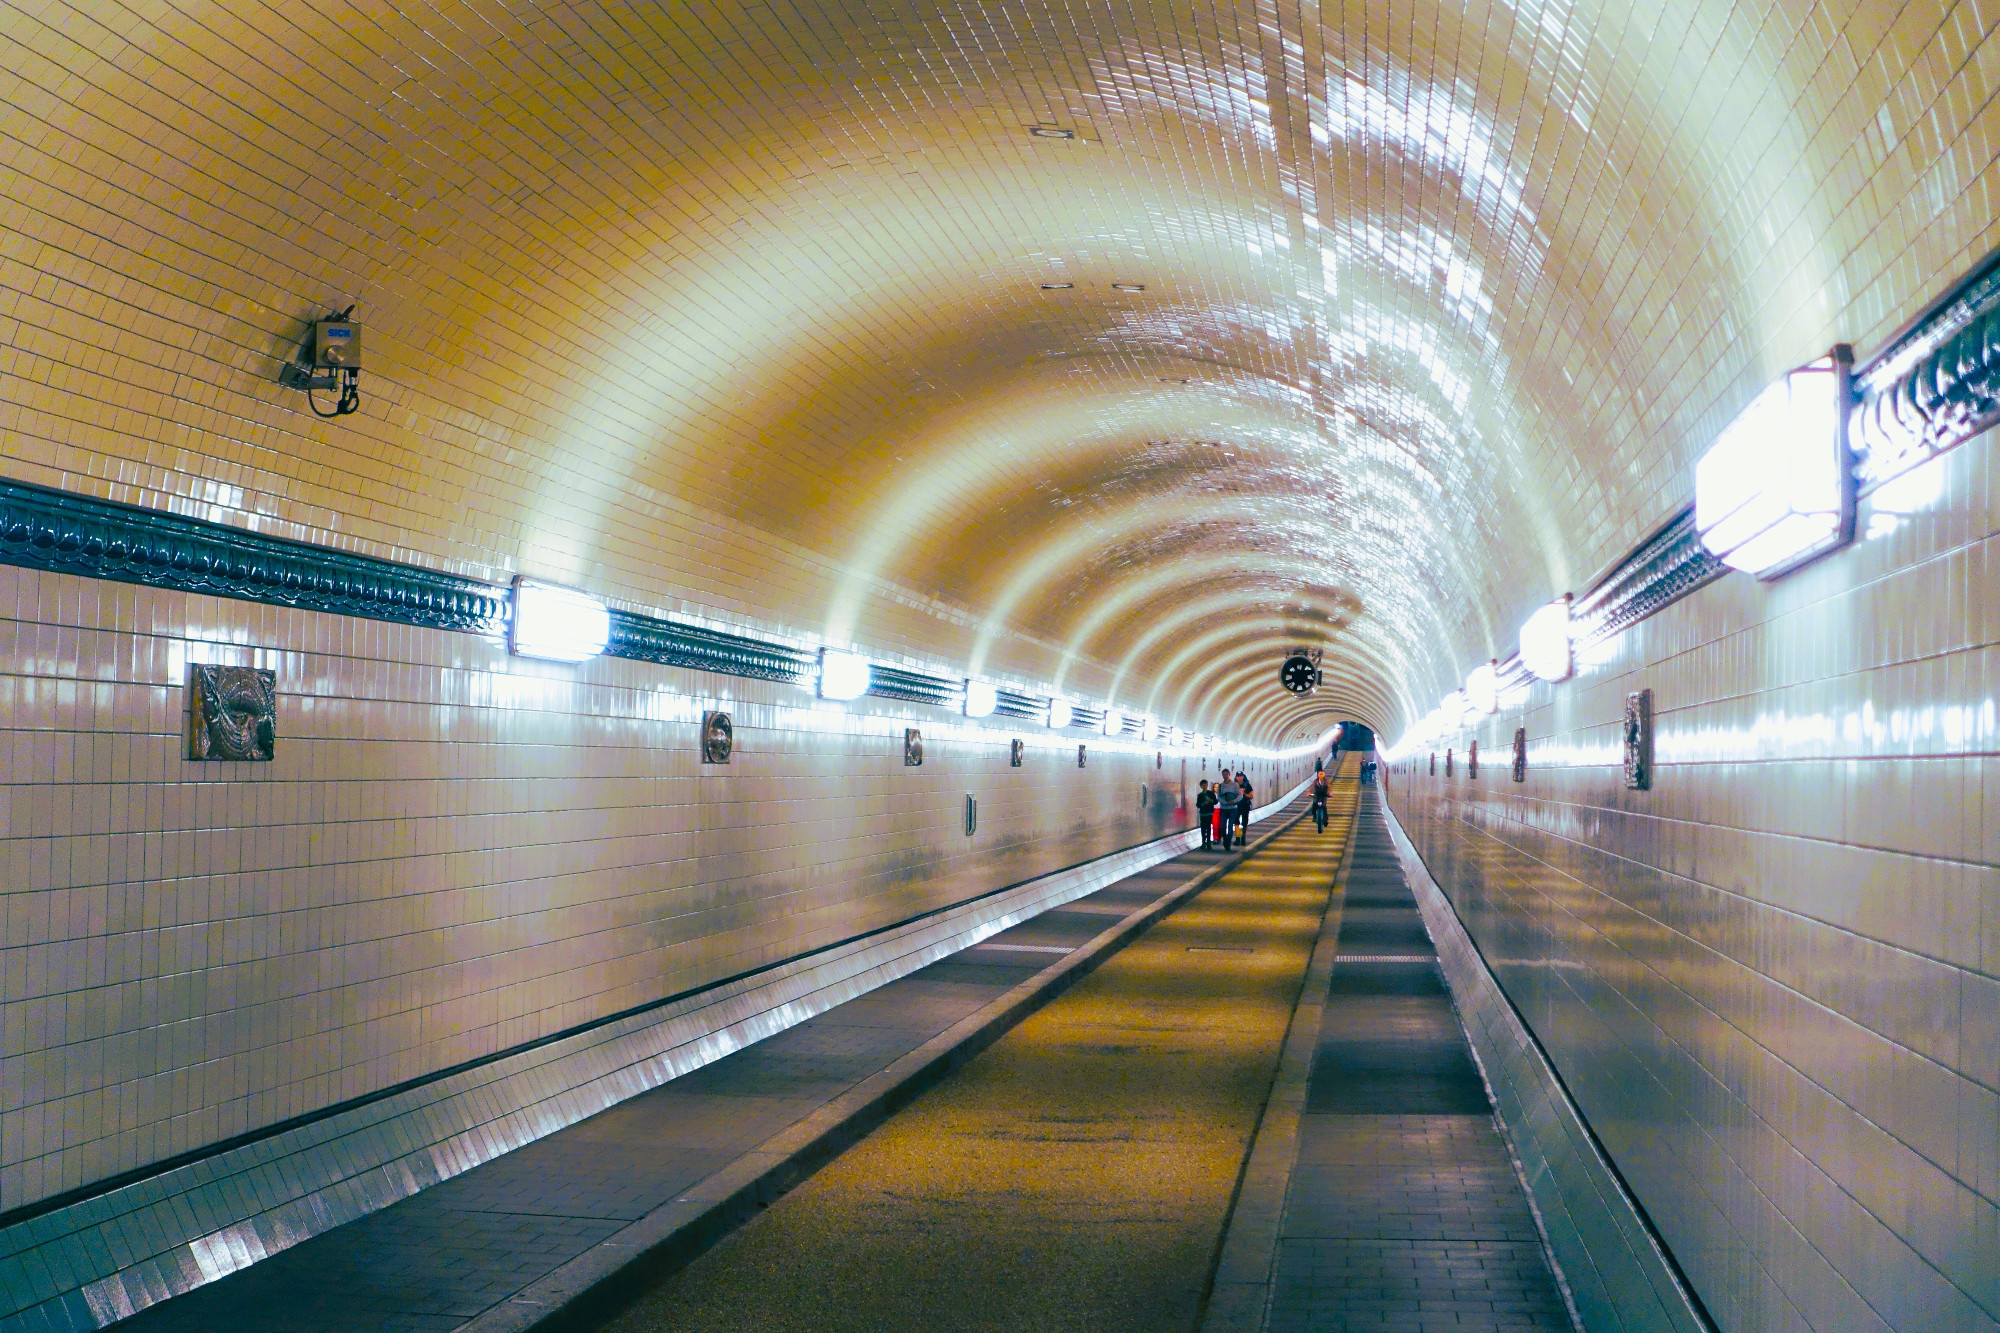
<point x="444" y="1256"/>
<point x="1403" y="1210"/>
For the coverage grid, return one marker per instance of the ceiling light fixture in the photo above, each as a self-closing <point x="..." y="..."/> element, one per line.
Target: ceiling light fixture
<point x="842" y="675"/>
<point x="1128" y="286"/>
<point x="1051" y="132"/>
<point x="557" y="624"/>
<point x="1057" y="286"/>
<point x="1777" y="488"/>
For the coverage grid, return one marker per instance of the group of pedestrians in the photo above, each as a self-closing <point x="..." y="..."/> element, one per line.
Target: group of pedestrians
<point x="1224" y="811"/>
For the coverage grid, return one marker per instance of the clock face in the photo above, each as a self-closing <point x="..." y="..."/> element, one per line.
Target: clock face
<point x="1299" y="675"/>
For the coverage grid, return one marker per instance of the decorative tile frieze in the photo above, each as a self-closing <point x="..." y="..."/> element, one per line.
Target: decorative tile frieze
<point x="73" y="534"/>
<point x="1935" y="385"/>
<point x="913" y="687"/>
<point x="644" y="638"/>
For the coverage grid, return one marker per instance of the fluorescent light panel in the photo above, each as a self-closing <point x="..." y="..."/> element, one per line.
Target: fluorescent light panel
<point x="1777" y="489"/>
<point x="1545" y="644"/>
<point x="557" y="624"/>
<point x="842" y="675"/>
<point x="1482" y="689"/>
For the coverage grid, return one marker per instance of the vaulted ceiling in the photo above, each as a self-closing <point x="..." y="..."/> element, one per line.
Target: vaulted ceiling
<point x="1368" y="326"/>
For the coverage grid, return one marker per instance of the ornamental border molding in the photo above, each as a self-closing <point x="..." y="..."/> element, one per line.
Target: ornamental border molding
<point x="54" y="530"/>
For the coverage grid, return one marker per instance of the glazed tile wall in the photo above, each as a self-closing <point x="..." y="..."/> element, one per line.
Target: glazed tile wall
<point x="1614" y="1272"/>
<point x="1772" y="982"/>
<point x="89" y="1263"/>
<point x="454" y="852"/>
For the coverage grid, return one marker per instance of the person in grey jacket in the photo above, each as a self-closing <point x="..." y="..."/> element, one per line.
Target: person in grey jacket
<point x="1228" y="797"/>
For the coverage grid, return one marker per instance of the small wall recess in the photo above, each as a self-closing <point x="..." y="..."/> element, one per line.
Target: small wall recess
<point x="329" y="360"/>
<point x="913" y="747"/>
<point x="1080" y="756"/>
<point x="1472" y="760"/>
<point x="1015" y="749"/>
<point x="1520" y="754"/>
<point x="971" y="814"/>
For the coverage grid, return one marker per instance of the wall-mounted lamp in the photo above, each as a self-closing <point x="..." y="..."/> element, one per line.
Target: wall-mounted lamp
<point x="557" y="624"/>
<point x="842" y="675"/>
<point x="1777" y="488"/>
<point x="1059" y="713"/>
<point x="1114" y="721"/>
<point x="329" y="359"/>
<point x="980" y="698"/>
<point x="1545" y="642"/>
<point x="1482" y="689"/>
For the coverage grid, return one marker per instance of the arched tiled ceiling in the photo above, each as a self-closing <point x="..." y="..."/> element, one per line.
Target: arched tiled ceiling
<point x="743" y="307"/>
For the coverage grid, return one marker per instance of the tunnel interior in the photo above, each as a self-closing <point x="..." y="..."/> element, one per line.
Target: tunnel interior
<point x="523" y="528"/>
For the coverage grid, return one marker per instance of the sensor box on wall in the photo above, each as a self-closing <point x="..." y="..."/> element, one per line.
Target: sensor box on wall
<point x="336" y="345"/>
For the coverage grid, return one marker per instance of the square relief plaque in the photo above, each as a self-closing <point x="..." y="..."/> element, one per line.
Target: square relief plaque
<point x="232" y="713"/>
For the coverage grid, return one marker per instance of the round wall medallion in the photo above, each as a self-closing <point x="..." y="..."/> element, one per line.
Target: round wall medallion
<point x="718" y="738"/>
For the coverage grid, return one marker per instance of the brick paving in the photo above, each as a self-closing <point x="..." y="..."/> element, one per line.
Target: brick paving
<point x="441" y="1257"/>
<point x="1403" y="1211"/>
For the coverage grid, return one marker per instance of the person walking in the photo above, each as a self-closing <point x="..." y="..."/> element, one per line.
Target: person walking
<point x="1244" y="791"/>
<point x="1227" y="796"/>
<point x="1319" y="794"/>
<point x="1218" y="803"/>
<point x="1204" y="806"/>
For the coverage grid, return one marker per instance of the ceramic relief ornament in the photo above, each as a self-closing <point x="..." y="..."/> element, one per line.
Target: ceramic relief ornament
<point x="1081" y="755"/>
<point x="232" y="713"/>
<point x="1639" y="740"/>
<point x="1520" y="754"/>
<point x="1015" y="749"/>
<point x="913" y="747"/>
<point x="718" y="738"/>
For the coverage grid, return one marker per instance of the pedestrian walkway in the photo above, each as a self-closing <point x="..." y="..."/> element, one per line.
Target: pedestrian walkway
<point x="472" y="1247"/>
<point x="1077" y="1175"/>
<point x="1403" y="1210"/>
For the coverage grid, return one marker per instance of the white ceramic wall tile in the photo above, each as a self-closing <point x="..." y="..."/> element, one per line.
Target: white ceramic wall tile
<point x="1771" y="980"/>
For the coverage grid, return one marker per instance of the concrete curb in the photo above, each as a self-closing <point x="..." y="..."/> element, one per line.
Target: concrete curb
<point x="1241" y="1291"/>
<point x="601" y="1279"/>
